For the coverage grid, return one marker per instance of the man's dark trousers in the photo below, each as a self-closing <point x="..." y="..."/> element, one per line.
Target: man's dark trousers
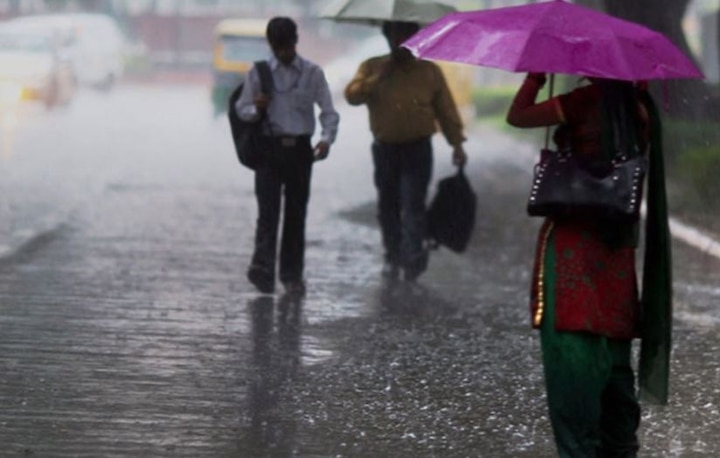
<point x="402" y="176"/>
<point x="286" y="174"/>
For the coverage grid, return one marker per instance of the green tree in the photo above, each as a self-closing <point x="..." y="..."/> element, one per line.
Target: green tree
<point x="686" y="98"/>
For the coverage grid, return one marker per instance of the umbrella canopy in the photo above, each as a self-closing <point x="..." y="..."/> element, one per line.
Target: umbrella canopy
<point x="553" y="37"/>
<point x="377" y="11"/>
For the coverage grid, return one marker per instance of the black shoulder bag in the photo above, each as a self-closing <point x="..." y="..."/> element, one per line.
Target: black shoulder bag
<point x="570" y="185"/>
<point x="250" y="145"/>
<point x="564" y="185"/>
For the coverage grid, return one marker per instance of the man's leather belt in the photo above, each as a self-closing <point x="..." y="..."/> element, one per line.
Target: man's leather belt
<point x="290" y="141"/>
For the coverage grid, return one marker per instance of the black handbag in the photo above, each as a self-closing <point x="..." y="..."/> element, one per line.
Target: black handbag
<point x="565" y="185"/>
<point x="451" y="214"/>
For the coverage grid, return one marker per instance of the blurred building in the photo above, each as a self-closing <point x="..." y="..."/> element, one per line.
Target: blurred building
<point x="179" y="33"/>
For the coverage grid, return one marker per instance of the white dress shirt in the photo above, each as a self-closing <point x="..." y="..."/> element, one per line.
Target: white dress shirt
<point x="297" y="88"/>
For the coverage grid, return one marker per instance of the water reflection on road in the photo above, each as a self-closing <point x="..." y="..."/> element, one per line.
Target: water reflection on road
<point x="275" y="358"/>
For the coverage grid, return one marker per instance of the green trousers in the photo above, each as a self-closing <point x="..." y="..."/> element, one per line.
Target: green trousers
<point x="590" y="387"/>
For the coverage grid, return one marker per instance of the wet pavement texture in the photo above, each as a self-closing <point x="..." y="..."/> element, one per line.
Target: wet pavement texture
<point x="127" y="327"/>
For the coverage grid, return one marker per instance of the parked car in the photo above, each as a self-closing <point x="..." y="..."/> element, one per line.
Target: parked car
<point x="95" y="44"/>
<point x="33" y="67"/>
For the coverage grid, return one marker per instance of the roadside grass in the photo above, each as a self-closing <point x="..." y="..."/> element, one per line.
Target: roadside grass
<point x="692" y="150"/>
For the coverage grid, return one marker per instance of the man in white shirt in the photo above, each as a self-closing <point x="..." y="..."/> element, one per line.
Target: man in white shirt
<point x="298" y="85"/>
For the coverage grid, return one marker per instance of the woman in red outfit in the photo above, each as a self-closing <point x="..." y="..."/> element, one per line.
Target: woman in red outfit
<point x="584" y="295"/>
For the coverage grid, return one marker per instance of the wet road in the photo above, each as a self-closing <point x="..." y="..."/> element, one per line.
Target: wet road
<point x="127" y="327"/>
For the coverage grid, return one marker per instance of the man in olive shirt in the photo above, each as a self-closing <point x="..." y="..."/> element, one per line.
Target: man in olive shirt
<point x="406" y="99"/>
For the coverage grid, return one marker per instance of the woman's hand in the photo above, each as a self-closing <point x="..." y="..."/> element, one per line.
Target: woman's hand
<point x="539" y="78"/>
<point x="526" y="111"/>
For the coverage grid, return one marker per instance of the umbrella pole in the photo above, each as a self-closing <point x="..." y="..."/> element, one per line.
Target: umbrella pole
<point x="550" y="94"/>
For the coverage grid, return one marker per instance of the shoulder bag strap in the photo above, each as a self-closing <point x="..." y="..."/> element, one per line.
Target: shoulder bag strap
<point x="266" y="80"/>
<point x="266" y="85"/>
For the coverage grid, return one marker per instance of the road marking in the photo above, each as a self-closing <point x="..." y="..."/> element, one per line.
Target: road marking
<point x="704" y="320"/>
<point x="695" y="238"/>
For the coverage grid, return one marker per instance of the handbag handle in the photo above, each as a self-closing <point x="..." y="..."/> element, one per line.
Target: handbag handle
<point x="551" y="86"/>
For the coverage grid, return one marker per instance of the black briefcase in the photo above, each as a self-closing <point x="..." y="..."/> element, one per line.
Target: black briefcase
<point x="451" y="214"/>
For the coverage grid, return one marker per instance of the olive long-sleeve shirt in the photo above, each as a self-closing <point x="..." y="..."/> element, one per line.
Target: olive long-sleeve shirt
<point x="406" y="101"/>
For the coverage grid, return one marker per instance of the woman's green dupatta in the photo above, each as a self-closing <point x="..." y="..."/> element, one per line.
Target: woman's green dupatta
<point x="656" y="323"/>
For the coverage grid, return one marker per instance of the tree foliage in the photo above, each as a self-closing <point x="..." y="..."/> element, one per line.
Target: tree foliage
<point x="685" y="98"/>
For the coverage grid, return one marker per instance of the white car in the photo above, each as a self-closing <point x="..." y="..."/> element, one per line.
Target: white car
<point x="95" y="43"/>
<point x="32" y="67"/>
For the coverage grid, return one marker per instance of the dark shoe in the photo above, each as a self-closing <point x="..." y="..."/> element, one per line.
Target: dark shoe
<point x="390" y="271"/>
<point x="411" y="275"/>
<point x="416" y="267"/>
<point x="295" y="288"/>
<point x="262" y="279"/>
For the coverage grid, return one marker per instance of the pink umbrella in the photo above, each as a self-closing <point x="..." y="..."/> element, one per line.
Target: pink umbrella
<point x="553" y="37"/>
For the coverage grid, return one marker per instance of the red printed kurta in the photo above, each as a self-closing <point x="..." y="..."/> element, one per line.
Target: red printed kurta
<point x="595" y="285"/>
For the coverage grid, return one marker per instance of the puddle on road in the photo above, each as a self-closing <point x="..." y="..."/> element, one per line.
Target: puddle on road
<point x="313" y="351"/>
